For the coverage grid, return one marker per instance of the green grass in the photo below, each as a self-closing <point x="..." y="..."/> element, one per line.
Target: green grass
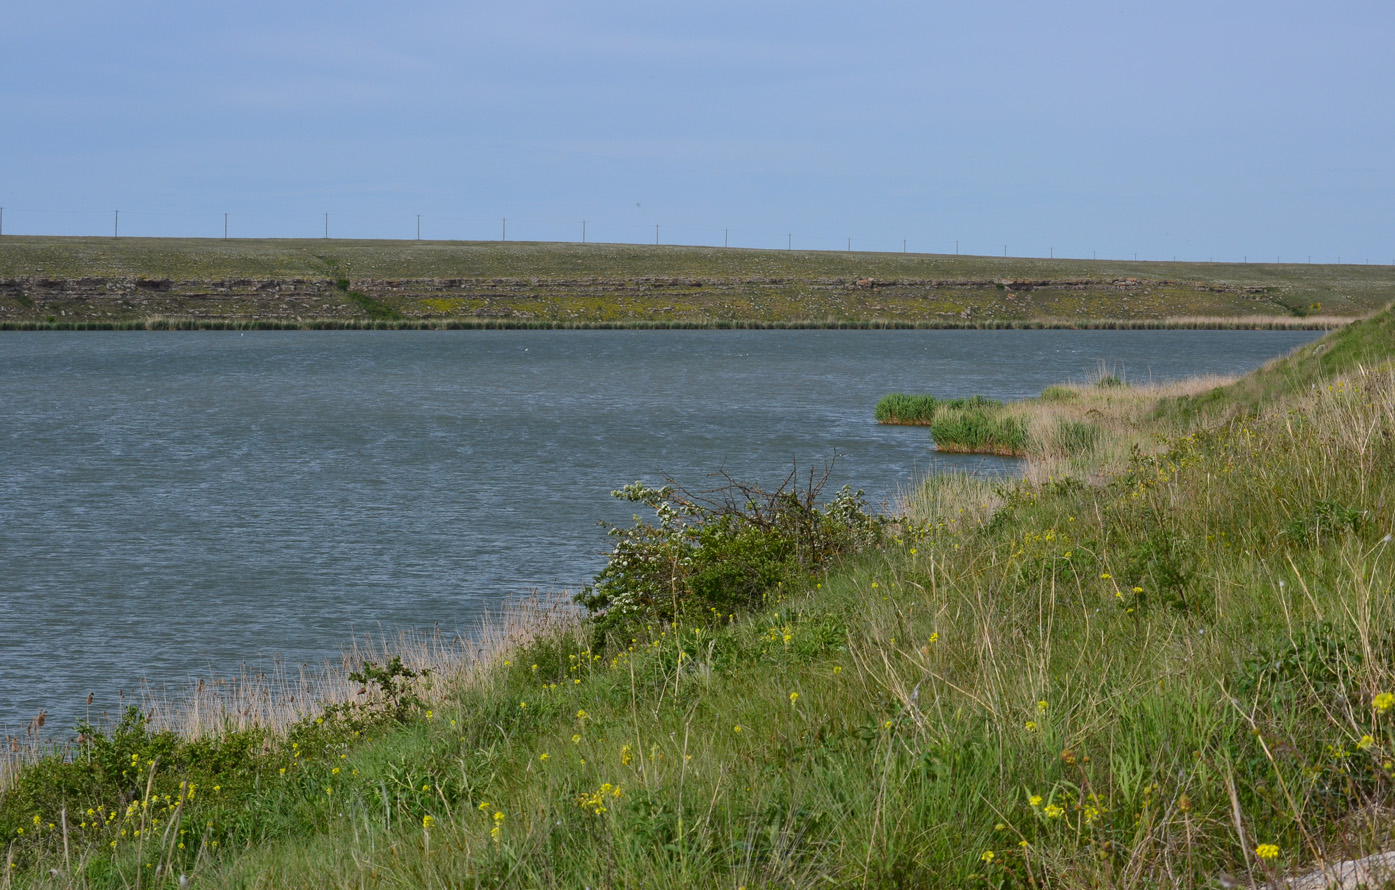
<point x="207" y="282"/>
<point x="1132" y="670"/>
<point x="920" y="409"/>
<point x="979" y="429"/>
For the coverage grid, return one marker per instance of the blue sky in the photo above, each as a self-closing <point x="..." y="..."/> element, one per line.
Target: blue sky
<point x="1197" y="130"/>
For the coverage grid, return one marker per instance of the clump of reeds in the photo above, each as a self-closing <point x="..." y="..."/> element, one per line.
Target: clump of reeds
<point x="920" y="409"/>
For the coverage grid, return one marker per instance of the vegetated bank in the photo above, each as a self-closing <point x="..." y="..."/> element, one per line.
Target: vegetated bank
<point x="181" y="284"/>
<point x="1163" y="661"/>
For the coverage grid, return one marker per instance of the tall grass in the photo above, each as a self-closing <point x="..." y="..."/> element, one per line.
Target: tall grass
<point x="920" y="409"/>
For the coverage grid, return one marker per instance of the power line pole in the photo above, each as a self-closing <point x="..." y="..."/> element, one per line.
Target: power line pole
<point x="504" y="231"/>
<point x="116" y="226"/>
<point x="956" y="248"/>
<point x="1053" y="253"/>
<point x="225" y="227"/>
<point x="903" y="245"/>
<point x="2" y="221"/>
<point x="326" y="224"/>
<point x="849" y="245"/>
<point x="789" y="244"/>
<point x="583" y="231"/>
<point x="656" y="233"/>
<point x="418" y="226"/>
<point x="726" y="233"/>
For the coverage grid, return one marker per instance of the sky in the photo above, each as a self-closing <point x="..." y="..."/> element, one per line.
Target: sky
<point x="1196" y="130"/>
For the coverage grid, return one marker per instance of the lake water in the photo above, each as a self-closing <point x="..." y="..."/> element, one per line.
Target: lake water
<point x="173" y="506"/>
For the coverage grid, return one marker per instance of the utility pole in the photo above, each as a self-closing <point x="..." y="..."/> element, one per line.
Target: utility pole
<point x="326" y="224"/>
<point x="656" y="233"/>
<point x="849" y="245"/>
<point x="1004" y="251"/>
<point x="789" y="244"/>
<point x="504" y="230"/>
<point x="2" y="221"/>
<point x="903" y="245"/>
<point x="418" y="226"/>
<point x="956" y="248"/>
<point x="726" y="233"/>
<point x="1053" y="253"/>
<point x="116" y="226"/>
<point x="583" y="231"/>
<point x="225" y="227"/>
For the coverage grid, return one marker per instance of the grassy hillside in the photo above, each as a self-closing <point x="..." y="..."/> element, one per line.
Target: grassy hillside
<point x="1167" y="665"/>
<point x="129" y="282"/>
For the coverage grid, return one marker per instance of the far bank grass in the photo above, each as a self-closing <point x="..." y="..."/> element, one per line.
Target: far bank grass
<point x="1162" y="666"/>
<point x="133" y="283"/>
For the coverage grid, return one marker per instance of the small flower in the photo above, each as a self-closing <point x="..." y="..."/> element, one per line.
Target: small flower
<point x="736" y="728"/>
<point x="576" y="739"/>
<point x="794" y="697"/>
<point x="1267" y="851"/>
<point x="935" y="637"/>
<point x="1042" y="706"/>
<point x="427" y="822"/>
<point x="1106" y="576"/>
<point x="986" y="856"/>
<point x="543" y="757"/>
<point x="523" y="705"/>
<point x="1383" y="702"/>
<point x="1034" y="801"/>
<point x="1365" y="743"/>
<point x="1052" y="811"/>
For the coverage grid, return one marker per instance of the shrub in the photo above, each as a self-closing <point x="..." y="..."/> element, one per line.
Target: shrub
<point x="715" y="552"/>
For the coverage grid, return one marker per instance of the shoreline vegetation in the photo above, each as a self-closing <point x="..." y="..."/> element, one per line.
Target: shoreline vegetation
<point x="51" y="283"/>
<point x="1162" y="658"/>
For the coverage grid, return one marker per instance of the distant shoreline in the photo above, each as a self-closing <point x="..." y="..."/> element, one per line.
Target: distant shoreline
<point x="466" y="324"/>
<point x="313" y="284"/>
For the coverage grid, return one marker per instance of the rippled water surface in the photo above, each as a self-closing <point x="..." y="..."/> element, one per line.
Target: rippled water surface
<point x="174" y="505"/>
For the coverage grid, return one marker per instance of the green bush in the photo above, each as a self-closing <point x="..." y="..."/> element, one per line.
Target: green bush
<point x="714" y="553"/>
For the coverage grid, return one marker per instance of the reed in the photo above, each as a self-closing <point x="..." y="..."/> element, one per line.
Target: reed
<point x="920" y="410"/>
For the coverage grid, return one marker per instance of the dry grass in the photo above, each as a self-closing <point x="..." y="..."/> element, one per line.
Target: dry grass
<point x="287" y="694"/>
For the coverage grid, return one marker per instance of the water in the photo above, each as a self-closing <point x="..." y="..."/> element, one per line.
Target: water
<point x="174" y="505"/>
